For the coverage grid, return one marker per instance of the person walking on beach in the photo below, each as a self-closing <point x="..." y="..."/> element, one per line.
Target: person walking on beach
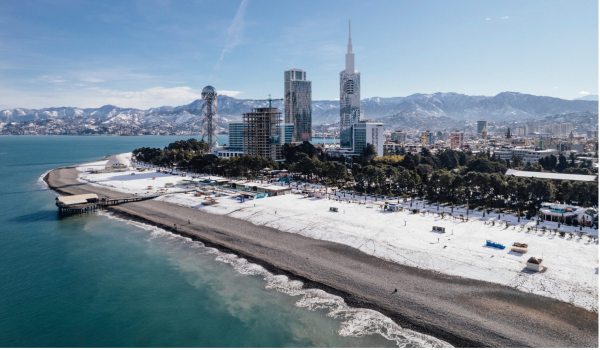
<point x="395" y="291"/>
<point x="189" y="222"/>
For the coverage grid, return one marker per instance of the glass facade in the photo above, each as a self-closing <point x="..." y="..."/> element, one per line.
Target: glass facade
<point x="298" y="104"/>
<point x="349" y="105"/>
<point x="360" y="137"/>
<point x="236" y="138"/>
<point x="350" y="112"/>
<point x="286" y="133"/>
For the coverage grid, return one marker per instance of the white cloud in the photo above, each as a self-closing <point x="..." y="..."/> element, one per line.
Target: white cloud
<point x="92" y="97"/>
<point x="584" y="93"/>
<point x="505" y="17"/>
<point x="488" y="19"/>
<point x="235" y="31"/>
<point x="52" y="79"/>
<point x="229" y="93"/>
<point x="152" y="97"/>
<point x="93" y="80"/>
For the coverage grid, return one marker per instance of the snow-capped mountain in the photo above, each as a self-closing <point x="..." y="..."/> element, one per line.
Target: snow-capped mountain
<point x="416" y="108"/>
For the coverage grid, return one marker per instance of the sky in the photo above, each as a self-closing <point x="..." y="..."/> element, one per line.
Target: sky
<point x="151" y="53"/>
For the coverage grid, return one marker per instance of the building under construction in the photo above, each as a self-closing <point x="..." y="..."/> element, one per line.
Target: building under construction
<point x="261" y="133"/>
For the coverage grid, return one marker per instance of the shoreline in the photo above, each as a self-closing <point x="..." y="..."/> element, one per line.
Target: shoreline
<point x="454" y="309"/>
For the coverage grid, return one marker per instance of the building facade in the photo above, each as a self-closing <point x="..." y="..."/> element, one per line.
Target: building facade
<point x="364" y="133"/>
<point x="427" y="138"/>
<point x="527" y="155"/>
<point x="457" y="139"/>
<point x="298" y="104"/>
<point x="236" y="139"/>
<point x="350" y="112"/>
<point x="286" y="133"/>
<point x="481" y="125"/>
<point x="399" y="136"/>
<point x="262" y="132"/>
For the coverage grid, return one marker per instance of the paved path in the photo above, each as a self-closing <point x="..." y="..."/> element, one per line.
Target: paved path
<point x="463" y="312"/>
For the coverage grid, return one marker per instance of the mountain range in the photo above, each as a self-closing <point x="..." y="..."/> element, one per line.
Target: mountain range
<point x="433" y="109"/>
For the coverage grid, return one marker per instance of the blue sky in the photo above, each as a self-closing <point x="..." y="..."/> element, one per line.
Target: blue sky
<point x="150" y="53"/>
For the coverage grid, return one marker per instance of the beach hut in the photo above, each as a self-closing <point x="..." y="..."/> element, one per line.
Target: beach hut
<point x="534" y="264"/>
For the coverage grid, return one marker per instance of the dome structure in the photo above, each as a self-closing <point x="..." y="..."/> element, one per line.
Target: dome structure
<point x="209" y="90"/>
<point x="118" y="162"/>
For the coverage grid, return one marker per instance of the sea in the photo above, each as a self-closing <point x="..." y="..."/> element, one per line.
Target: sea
<point x="99" y="281"/>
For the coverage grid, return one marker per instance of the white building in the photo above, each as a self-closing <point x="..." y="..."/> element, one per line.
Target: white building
<point x="527" y="155"/>
<point x="364" y="133"/>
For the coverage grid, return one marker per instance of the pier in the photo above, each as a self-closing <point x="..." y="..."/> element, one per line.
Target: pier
<point x="90" y="202"/>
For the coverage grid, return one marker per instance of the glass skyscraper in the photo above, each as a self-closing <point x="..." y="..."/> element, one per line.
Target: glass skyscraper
<point x="350" y="112"/>
<point x="236" y="139"/>
<point x="298" y="104"/>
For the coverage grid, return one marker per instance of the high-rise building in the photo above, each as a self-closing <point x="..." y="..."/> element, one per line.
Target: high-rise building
<point x="592" y="134"/>
<point x="457" y="139"/>
<point x="481" y="124"/>
<point x="364" y="133"/>
<point x="209" y="116"/>
<point x="298" y="104"/>
<point x="529" y="129"/>
<point x="350" y="112"/>
<point x="236" y="136"/>
<point x="566" y="128"/>
<point x="428" y="138"/>
<point x="262" y="130"/>
<point x="399" y="136"/>
<point x="286" y="133"/>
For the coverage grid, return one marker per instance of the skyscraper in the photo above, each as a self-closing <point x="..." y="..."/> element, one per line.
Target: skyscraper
<point x="350" y="112"/>
<point x="236" y="135"/>
<point x="298" y="104"/>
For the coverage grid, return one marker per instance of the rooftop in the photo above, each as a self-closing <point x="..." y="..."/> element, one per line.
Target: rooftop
<point x="552" y="176"/>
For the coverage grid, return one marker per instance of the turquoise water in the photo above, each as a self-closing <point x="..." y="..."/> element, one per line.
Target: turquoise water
<point x="96" y="281"/>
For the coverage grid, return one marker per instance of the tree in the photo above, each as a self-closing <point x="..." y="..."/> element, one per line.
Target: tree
<point x="516" y="161"/>
<point x="484" y="165"/>
<point x="562" y="163"/>
<point x="369" y="153"/>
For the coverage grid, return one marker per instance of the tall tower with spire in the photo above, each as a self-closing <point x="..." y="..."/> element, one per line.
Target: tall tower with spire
<point x="350" y="112"/>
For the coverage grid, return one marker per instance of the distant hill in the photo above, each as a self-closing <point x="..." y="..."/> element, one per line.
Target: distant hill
<point x="587" y="98"/>
<point x="423" y="109"/>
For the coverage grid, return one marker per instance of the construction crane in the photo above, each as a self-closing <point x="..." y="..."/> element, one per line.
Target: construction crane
<point x="269" y="99"/>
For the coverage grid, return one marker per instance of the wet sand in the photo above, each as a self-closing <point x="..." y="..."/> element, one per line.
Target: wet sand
<point x="463" y="312"/>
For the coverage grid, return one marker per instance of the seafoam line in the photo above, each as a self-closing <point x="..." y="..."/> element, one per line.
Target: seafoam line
<point x="355" y="322"/>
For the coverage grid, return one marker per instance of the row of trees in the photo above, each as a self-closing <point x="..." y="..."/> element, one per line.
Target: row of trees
<point x="447" y="177"/>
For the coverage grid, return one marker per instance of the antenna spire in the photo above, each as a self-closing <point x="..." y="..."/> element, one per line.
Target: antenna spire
<point x="350" y="55"/>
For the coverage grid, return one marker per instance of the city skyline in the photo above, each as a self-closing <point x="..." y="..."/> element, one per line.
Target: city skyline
<point x="142" y="55"/>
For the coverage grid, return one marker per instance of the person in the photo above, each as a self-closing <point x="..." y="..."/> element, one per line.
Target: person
<point x="189" y="222"/>
<point x="395" y="291"/>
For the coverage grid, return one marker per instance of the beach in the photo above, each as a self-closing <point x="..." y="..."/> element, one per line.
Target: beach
<point x="461" y="311"/>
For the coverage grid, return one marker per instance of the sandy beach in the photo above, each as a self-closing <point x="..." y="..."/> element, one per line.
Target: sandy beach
<point x="462" y="311"/>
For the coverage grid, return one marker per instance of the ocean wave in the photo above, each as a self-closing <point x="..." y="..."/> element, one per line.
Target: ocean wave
<point x="354" y="322"/>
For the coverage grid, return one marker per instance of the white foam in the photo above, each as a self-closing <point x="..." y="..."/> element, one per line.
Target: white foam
<point x="355" y="322"/>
